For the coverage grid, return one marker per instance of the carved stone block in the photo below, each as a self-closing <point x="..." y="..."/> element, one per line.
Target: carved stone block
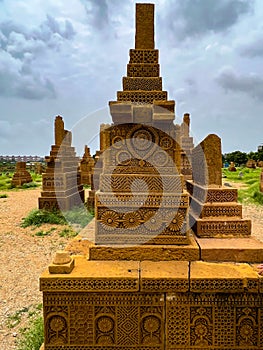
<point x="143" y="70"/>
<point x="144" y="56"/>
<point x="141" y="96"/>
<point x="147" y="84"/>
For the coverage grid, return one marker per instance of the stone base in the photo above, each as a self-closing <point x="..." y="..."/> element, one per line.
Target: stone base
<point x="189" y="252"/>
<point x="61" y="203"/>
<point x="231" y="249"/>
<point x="175" y="305"/>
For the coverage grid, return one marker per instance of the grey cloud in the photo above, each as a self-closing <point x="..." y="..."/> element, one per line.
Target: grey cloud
<point x="15" y="81"/>
<point x="105" y="15"/>
<point x="230" y="80"/>
<point x="51" y="26"/>
<point x="192" y="18"/>
<point x="253" y="48"/>
<point x="18" y="40"/>
<point x="20" y="50"/>
<point x="98" y="13"/>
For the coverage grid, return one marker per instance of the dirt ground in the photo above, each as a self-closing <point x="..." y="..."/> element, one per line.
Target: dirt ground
<point x="24" y="255"/>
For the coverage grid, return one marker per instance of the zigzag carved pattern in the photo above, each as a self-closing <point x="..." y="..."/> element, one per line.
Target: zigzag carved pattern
<point x="121" y="183"/>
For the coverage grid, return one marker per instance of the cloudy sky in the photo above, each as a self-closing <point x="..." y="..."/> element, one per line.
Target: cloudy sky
<point x="68" y="58"/>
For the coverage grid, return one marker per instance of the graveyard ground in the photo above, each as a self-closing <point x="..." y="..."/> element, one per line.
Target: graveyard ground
<point x="26" y="252"/>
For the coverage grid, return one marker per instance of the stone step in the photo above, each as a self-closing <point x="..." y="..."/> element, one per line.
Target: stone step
<point x="248" y="250"/>
<point x="220" y="227"/>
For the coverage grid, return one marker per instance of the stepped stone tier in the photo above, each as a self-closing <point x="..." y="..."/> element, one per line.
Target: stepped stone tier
<point x="62" y="189"/>
<point x="153" y="271"/>
<point x="21" y="175"/>
<point x="215" y="211"/>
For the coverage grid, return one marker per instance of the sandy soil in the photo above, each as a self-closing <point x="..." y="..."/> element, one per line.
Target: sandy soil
<point x="24" y="255"/>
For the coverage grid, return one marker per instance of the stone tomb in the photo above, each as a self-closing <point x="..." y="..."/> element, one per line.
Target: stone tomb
<point x="147" y="281"/>
<point x="86" y="167"/>
<point x="62" y="189"/>
<point x="21" y="175"/>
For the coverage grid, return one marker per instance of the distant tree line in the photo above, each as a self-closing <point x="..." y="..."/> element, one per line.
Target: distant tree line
<point x="240" y="158"/>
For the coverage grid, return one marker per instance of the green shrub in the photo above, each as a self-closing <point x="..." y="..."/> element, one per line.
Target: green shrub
<point x="78" y="215"/>
<point x="38" y="217"/>
<point x="44" y="233"/>
<point x="68" y="233"/>
<point x="3" y="195"/>
<point x="33" y="337"/>
<point x="29" y="185"/>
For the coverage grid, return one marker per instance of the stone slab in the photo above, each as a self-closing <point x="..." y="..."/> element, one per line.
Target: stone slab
<point x="188" y="252"/>
<point x="164" y="276"/>
<point x="94" y="276"/>
<point x="247" y="250"/>
<point x="222" y="277"/>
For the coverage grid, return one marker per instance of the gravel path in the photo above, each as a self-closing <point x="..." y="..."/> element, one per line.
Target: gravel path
<point x="24" y="255"/>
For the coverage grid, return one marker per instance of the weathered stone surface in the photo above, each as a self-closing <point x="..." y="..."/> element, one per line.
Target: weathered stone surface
<point x="189" y="252"/>
<point x="231" y="249"/>
<point x="207" y="162"/>
<point x="94" y="276"/>
<point x="222" y="277"/>
<point x="164" y="276"/>
<point x="144" y="37"/>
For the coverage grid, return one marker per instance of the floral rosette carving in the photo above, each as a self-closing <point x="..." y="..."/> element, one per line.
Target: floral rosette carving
<point x="131" y="220"/>
<point x="110" y="220"/>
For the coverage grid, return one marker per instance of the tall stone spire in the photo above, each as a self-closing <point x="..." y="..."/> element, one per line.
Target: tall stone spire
<point x="144" y="37"/>
<point x="143" y="84"/>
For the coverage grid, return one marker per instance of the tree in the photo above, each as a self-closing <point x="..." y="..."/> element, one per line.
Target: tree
<point x="238" y="157"/>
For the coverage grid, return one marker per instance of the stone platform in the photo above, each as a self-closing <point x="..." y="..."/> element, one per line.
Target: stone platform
<point x="247" y="249"/>
<point x="175" y="305"/>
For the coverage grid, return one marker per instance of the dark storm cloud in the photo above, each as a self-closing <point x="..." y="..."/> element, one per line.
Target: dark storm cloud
<point x="191" y="18"/>
<point x="252" y="49"/>
<point x="20" y="51"/>
<point x="98" y="13"/>
<point x="252" y="85"/>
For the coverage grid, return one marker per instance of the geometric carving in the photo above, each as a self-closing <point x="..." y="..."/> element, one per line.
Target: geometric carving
<point x="128" y="332"/>
<point x="210" y="195"/>
<point x="223" y="228"/>
<point x="81" y="324"/>
<point x="141" y="96"/>
<point x="144" y="56"/>
<point x="114" y="321"/>
<point x="193" y="321"/>
<point x="147" y="84"/>
<point x="213" y="321"/>
<point x="141" y="186"/>
<point x="143" y="70"/>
